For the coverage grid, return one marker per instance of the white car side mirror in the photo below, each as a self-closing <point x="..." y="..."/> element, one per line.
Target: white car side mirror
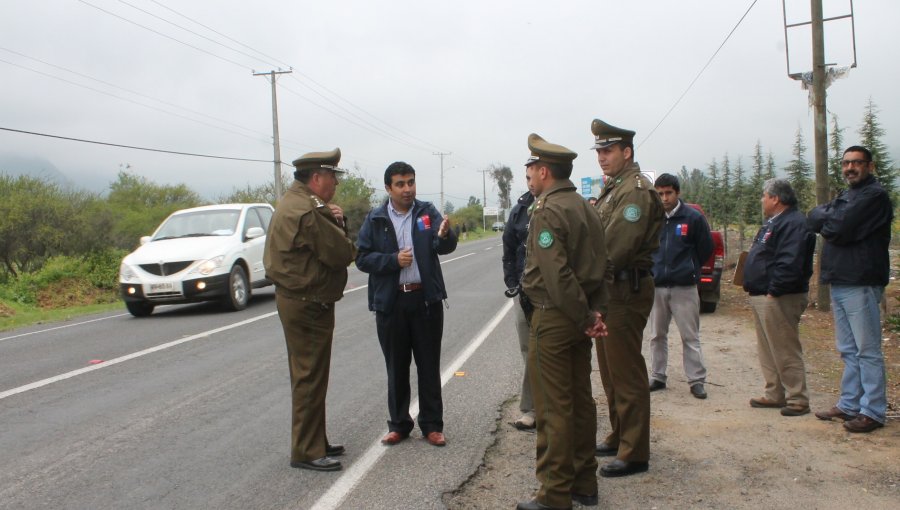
<point x="254" y="232"/>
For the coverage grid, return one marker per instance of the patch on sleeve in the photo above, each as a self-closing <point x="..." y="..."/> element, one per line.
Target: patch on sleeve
<point x="631" y="213"/>
<point x="545" y="239"/>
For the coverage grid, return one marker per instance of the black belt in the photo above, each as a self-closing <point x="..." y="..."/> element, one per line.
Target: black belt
<point x="625" y="274"/>
<point x="409" y="287"/>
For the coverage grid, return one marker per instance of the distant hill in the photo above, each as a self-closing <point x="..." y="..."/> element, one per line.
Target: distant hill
<point x="34" y="166"/>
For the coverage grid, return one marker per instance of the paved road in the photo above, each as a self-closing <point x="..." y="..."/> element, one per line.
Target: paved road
<point x="190" y="408"/>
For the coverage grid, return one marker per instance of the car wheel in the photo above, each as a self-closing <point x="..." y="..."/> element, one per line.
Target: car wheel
<point x="139" y="308"/>
<point x="708" y="306"/>
<point x="238" y="289"/>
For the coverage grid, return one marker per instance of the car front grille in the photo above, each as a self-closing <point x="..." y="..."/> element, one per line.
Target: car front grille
<point x="166" y="268"/>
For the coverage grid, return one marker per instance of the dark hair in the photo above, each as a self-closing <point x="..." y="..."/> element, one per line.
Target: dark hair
<point x="782" y="189"/>
<point x="859" y="148"/>
<point x="667" y="181"/>
<point x="397" y="168"/>
<point x="303" y="175"/>
<point x="558" y="171"/>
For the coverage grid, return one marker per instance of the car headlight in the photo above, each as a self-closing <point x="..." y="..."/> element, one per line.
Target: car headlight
<point x="126" y="274"/>
<point x="209" y="265"/>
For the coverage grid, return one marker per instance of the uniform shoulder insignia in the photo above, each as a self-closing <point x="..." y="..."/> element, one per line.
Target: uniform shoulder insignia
<point x="640" y="182"/>
<point x="318" y="202"/>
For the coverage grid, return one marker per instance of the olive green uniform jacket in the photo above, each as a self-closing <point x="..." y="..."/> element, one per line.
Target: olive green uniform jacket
<point x="565" y="259"/>
<point x="632" y="215"/>
<point x="307" y="252"/>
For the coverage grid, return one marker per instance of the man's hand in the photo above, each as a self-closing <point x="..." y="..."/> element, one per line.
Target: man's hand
<point x="337" y="212"/>
<point x="405" y="257"/>
<point x="445" y="228"/>
<point x="598" y="328"/>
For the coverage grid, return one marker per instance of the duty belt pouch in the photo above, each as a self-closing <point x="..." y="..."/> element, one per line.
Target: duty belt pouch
<point x="527" y="307"/>
<point x="635" y="278"/>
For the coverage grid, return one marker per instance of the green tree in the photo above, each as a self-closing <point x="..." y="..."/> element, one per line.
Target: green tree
<point x="740" y="198"/>
<point x="355" y="195"/>
<point x="871" y="134"/>
<point x="502" y="176"/>
<point x="752" y="208"/>
<point x="449" y="208"/>
<point x="726" y="196"/>
<point x="770" y="168"/>
<point x="713" y="195"/>
<point x="799" y="173"/>
<point x="262" y="193"/>
<point x="836" y="145"/>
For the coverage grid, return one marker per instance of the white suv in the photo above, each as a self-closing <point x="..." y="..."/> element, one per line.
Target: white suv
<point x="206" y="253"/>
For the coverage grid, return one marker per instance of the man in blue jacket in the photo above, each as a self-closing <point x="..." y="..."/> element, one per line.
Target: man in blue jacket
<point x="684" y="244"/>
<point x="776" y="275"/>
<point x="856" y="227"/>
<point x="398" y="245"/>
<point x="514" y="235"/>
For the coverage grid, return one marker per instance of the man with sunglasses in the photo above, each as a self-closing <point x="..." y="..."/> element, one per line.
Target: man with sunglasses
<point x="856" y="226"/>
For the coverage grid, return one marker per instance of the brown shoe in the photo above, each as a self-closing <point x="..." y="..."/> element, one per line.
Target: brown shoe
<point x="794" y="410"/>
<point x="393" y="438"/>
<point x="862" y="423"/>
<point x="763" y="402"/>
<point x="435" y="438"/>
<point x="833" y="413"/>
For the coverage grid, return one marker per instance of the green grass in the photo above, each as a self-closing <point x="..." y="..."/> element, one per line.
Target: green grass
<point x="28" y="315"/>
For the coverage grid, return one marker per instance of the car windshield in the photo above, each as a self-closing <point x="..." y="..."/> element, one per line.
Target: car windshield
<point x="222" y="222"/>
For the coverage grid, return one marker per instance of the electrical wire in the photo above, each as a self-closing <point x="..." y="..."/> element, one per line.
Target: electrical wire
<point x="708" y="62"/>
<point x="133" y="146"/>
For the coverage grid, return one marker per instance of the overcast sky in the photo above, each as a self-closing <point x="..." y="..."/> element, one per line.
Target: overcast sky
<point x="402" y="80"/>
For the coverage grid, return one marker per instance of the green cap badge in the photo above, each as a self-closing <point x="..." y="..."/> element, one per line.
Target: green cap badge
<point x="632" y="213"/>
<point x="545" y="239"/>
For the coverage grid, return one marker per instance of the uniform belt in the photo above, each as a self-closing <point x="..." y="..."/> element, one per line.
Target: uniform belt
<point x="625" y="274"/>
<point x="410" y="287"/>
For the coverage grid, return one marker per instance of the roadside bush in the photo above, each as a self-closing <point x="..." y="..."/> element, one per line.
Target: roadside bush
<point x="98" y="270"/>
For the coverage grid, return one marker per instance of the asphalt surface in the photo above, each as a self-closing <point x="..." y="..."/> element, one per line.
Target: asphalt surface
<point x="190" y="408"/>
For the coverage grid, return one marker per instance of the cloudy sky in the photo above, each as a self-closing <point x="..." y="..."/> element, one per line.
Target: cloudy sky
<point x="403" y="80"/>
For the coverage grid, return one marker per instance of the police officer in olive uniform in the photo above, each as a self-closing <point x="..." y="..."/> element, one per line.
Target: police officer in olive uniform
<point x="632" y="216"/>
<point x="307" y="254"/>
<point x="565" y="264"/>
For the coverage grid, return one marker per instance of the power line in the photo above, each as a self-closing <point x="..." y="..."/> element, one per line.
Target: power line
<point x="708" y="62"/>
<point x="133" y="146"/>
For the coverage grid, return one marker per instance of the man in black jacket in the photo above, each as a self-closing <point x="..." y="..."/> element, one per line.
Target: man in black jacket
<point x="398" y="245"/>
<point x="514" y="235"/>
<point x="857" y="230"/>
<point x="776" y="275"/>
<point x="684" y="244"/>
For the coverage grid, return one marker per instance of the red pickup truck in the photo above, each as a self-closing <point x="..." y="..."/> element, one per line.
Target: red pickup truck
<point x="711" y="271"/>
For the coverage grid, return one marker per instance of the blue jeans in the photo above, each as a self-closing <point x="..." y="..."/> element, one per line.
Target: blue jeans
<point x="857" y="331"/>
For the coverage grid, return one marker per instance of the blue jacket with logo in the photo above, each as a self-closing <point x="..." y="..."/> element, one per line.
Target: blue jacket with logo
<point x="780" y="260"/>
<point x="684" y="244"/>
<point x="378" y="248"/>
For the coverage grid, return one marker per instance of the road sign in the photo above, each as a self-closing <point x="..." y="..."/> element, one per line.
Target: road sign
<point x="491" y="211"/>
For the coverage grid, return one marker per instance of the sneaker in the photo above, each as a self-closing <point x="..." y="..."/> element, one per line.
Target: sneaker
<point x="525" y="422"/>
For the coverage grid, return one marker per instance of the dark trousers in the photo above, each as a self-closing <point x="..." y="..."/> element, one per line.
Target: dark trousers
<point x="308" y="330"/>
<point x="623" y="370"/>
<point x="413" y="329"/>
<point x="559" y="364"/>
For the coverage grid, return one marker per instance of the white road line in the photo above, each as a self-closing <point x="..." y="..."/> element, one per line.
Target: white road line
<point x="457" y="258"/>
<point x="62" y="327"/>
<point x="361" y="467"/>
<point x="138" y="354"/>
<point x="120" y="359"/>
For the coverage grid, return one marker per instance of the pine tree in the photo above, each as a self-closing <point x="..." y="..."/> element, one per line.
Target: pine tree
<point x="714" y="197"/>
<point x="798" y="173"/>
<point x="739" y="192"/>
<point x="770" y="167"/>
<point x="752" y="210"/>
<point x="836" y="144"/>
<point x="870" y="133"/>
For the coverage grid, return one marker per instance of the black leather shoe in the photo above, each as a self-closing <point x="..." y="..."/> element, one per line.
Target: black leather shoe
<point x="536" y="505"/>
<point x="333" y="450"/>
<point x="623" y="468"/>
<point x="657" y="385"/>
<point x="585" y="499"/>
<point x="605" y="450"/>
<point x="323" y="464"/>
<point x="697" y="390"/>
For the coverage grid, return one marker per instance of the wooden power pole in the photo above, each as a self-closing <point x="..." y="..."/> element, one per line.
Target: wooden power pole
<point x="276" y="142"/>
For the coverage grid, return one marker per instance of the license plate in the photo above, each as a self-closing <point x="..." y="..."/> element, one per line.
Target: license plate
<point x="162" y="287"/>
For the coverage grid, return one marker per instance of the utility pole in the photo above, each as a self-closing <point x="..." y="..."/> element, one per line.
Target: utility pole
<point x="483" y="196"/>
<point x="817" y="97"/>
<point x="442" y="154"/>
<point x="277" y="142"/>
<point x="821" y="128"/>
